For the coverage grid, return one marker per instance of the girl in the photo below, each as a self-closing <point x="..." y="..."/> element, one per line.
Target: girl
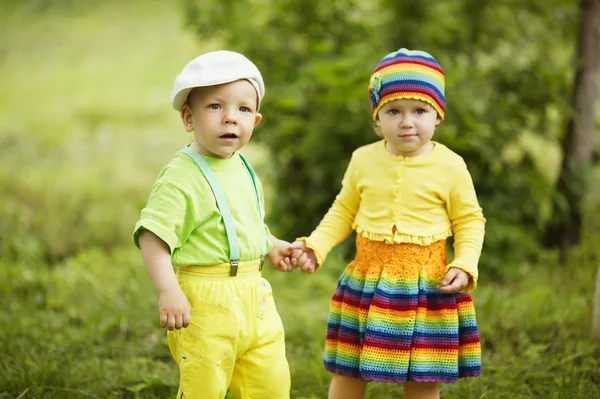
<point x="401" y="313"/>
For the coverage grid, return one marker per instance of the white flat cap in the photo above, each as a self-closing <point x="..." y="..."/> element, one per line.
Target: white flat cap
<point x="215" y="68"/>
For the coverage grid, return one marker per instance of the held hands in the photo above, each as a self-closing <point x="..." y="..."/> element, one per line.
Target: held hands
<point x="454" y="281"/>
<point x="286" y="257"/>
<point x="303" y="257"/>
<point x="174" y="308"/>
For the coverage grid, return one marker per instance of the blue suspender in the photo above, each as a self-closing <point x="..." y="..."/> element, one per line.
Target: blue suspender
<point x="234" y="247"/>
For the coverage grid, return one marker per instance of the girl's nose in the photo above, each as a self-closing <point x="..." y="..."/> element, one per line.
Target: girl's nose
<point x="406" y="121"/>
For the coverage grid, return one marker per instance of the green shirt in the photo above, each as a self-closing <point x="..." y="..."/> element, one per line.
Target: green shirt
<point x="182" y="211"/>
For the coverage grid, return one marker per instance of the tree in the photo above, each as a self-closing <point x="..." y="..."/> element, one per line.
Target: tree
<point x="578" y="146"/>
<point x="596" y="312"/>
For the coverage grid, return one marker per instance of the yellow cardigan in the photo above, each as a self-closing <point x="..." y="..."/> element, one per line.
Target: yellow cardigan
<point x="427" y="198"/>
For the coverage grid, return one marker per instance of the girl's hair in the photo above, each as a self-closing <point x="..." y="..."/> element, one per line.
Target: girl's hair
<point x="377" y="130"/>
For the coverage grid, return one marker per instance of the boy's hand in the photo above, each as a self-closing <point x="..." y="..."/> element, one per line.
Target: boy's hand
<point x="455" y="280"/>
<point x="279" y="255"/>
<point x="174" y="308"/>
<point x="303" y="257"/>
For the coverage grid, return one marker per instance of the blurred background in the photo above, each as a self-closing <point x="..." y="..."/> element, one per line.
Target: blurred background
<point x="86" y="125"/>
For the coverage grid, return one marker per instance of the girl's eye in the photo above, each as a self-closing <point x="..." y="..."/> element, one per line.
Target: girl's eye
<point x="214" y="106"/>
<point x="244" y="109"/>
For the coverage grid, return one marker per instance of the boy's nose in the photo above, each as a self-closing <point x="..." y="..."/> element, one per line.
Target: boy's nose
<point x="230" y="117"/>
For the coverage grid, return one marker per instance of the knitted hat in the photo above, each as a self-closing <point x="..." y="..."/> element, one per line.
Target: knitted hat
<point x="408" y="74"/>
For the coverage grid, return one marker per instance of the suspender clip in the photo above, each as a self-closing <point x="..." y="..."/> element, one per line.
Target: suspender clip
<point x="262" y="262"/>
<point x="234" y="268"/>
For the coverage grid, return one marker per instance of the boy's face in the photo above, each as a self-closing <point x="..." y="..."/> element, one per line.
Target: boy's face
<point x="222" y="117"/>
<point x="407" y="125"/>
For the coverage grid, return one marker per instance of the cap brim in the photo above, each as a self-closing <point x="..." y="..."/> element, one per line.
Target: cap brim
<point x="181" y="96"/>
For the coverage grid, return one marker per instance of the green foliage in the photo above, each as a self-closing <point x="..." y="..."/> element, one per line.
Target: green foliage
<point x="507" y="92"/>
<point x="81" y="136"/>
<point x="81" y="142"/>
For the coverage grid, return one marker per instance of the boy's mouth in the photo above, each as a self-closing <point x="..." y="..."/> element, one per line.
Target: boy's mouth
<point x="228" y="136"/>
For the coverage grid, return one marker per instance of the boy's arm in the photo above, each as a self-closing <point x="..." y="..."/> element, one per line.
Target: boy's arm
<point x="173" y="305"/>
<point x="165" y="223"/>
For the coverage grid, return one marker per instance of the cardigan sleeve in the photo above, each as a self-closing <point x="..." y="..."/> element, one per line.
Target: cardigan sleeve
<point x="468" y="224"/>
<point x="337" y="223"/>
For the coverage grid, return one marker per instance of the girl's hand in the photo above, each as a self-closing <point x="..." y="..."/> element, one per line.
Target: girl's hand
<point x="456" y="279"/>
<point x="174" y="308"/>
<point x="303" y="257"/>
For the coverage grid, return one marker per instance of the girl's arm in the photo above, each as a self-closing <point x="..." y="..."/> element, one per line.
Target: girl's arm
<point x="337" y="223"/>
<point x="468" y="225"/>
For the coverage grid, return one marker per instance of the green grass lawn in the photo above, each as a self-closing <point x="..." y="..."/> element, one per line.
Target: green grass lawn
<point x="87" y="327"/>
<point x="85" y="126"/>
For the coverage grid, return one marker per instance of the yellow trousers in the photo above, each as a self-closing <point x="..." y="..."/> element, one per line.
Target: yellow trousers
<point x="235" y="339"/>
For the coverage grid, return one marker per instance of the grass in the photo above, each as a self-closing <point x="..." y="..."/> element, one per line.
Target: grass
<point x="76" y="330"/>
<point x="84" y="131"/>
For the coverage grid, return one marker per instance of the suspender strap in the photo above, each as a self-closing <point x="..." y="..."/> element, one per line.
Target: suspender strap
<point x="263" y="249"/>
<point x="234" y="248"/>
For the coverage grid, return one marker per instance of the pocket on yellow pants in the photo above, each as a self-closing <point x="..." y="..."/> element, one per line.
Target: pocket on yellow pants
<point x="266" y="298"/>
<point x="211" y="336"/>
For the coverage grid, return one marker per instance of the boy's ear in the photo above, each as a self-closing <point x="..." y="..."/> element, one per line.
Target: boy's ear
<point x="438" y="120"/>
<point x="257" y="118"/>
<point x="186" y="118"/>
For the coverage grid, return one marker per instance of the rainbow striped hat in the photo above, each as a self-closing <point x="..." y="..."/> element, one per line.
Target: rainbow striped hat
<point x="408" y="74"/>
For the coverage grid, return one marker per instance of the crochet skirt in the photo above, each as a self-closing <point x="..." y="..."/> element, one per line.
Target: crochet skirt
<point x="388" y="322"/>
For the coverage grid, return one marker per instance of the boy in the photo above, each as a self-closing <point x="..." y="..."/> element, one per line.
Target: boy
<point x="205" y="217"/>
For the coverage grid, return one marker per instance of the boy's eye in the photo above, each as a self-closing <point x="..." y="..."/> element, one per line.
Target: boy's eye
<point x="420" y="111"/>
<point x="394" y="111"/>
<point x="214" y="106"/>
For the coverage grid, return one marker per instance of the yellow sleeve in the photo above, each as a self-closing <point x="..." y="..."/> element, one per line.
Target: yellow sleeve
<point x="468" y="225"/>
<point x="337" y="223"/>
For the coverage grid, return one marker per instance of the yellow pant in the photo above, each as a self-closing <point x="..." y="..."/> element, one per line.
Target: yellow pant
<point x="235" y="339"/>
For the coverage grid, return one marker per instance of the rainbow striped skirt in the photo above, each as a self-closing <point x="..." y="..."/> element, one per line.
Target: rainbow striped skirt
<point x="388" y="322"/>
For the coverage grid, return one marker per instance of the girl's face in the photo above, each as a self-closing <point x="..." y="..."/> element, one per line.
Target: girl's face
<point x="407" y="126"/>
